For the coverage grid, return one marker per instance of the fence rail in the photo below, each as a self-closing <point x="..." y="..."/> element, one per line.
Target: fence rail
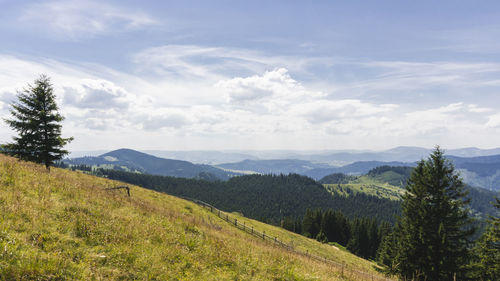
<point x="345" y="271"/>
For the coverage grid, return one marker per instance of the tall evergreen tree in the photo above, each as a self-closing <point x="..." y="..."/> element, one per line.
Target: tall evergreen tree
<point x="37" y="121"/>
<point x="387" y="252"/>
<point x="311" y="223"/>
<point x="434" y="229"/>
<point x="489" y="249"/>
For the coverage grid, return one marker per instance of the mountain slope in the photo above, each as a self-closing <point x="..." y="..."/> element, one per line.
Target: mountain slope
<point x="135" y="160"/>
<point x="267" y="198"/>
<point x="65" y="225"/>
<point x="278" y="166"/>
<point x="483" y="171"/>
<point x="389" y="182"/>
<point x="356" y="168"/>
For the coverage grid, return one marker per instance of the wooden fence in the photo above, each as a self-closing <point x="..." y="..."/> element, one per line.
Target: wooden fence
<point x="345" y="271"/>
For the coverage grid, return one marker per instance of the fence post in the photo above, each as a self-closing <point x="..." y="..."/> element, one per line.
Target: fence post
<point x="252" y="229"/>
<point x="236" y="222"/>
<point x="263" y="235"/>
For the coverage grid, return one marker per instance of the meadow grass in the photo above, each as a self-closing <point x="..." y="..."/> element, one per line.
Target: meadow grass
<point x="368" y="185"/>
<point x="64" y="225"/>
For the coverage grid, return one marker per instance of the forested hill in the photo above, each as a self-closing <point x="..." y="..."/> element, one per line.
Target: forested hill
<point x="265" y="197"/>
<point x="132" y="160"/>
<point x="392" y="179"/>
<point x="277" y="166"/>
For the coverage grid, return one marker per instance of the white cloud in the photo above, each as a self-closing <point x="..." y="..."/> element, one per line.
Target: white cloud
<point x="272" y="84"/>
<point x="241" y="70"/>
<point x="79" y="19"/>
<point x="165" y="121"/>
<point x="97" y="93"/>
<point x="493" y="121"/>
<point x="321" y="111"/>
<point x="198" y="62"/>
<point x="414" y="78"/>
<point x="477" y="109"/>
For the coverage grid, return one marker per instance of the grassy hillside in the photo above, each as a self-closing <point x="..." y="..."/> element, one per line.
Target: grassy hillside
<point x="367" y="185"/>
<point x="65" y="225"/>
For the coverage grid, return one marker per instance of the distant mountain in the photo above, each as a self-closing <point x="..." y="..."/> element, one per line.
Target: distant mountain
<point x="332" y="157"/>
<point x="483" y="171"/>
<point x="203" y="157"/>
<point x="137" y="161"/>
<point x="397" y="154"/>
<point x="285" y="166"/>
<point x="356" y="168"/>
<point x="306" y="168"/>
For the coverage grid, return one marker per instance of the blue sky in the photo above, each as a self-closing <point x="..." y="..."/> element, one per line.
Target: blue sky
<point x="302" y="75"/>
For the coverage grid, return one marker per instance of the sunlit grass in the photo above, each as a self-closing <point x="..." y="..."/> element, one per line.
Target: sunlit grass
<point x="65" y="225"/>
<point x="367" y="185"/>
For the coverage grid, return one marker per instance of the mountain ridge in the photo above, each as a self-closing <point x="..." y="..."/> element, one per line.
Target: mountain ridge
<point x="138" y="161"/>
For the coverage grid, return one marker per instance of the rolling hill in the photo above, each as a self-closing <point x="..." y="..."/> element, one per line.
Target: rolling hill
<point x="356" y="168"/>
<point x="137" y="161"/>
<point x="306" y="168"/>
<point x="278" y="166"/>
<point x="66" y="225"/>
<point x="389" y="181"/>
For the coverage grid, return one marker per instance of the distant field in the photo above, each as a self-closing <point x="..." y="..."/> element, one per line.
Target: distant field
<point x="367" y="185"/>
<point x="65" y="225"/>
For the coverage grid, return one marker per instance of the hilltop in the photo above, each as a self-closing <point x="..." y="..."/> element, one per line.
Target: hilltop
<point x="132" y="160"/>
<point x="67" y="225"/>
<point x="387" y="182"/>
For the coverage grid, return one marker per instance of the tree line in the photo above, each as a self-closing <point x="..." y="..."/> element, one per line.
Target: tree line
<point x="361" y="236"/>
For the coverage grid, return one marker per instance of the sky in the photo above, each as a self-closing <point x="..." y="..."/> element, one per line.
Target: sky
<point x="259" y="75"/>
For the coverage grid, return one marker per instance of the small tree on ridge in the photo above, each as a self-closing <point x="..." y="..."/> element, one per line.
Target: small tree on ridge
<point x="37" y="121"/>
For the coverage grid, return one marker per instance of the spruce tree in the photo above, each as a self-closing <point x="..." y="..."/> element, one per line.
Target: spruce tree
<point x="37" y="122"/>
<point x="434" y="228"/>
<point x="489" y="249"/>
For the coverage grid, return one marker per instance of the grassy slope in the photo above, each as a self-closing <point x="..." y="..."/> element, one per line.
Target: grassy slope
<point x="65" y="225"/>
<point x="371" y="186"/>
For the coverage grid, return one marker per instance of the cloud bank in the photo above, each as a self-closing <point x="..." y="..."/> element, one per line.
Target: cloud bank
<point x="187" y="97"/>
